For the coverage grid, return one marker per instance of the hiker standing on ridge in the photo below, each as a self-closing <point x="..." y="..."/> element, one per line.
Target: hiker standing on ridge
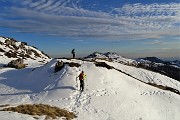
<point x="82" y="77"/>
<point x="73" y="53"/>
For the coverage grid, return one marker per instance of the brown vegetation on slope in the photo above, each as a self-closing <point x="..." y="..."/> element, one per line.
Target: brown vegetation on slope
<point x="41" y="109"/>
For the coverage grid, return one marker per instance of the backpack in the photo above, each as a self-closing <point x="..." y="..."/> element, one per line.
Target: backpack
<point x="82" y="76"/>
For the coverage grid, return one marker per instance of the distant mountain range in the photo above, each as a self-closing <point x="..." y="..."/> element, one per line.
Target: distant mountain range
<point x="155" y="60"/>
<point x="168" y="68"/>
<point x="150" y="59"/>
<point x="111" y="56"/>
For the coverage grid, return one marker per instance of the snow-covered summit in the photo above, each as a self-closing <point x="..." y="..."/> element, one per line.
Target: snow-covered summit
<point x="11" y="49"/>
<point x="112" y="56"/>
<point x="96" y="55"/>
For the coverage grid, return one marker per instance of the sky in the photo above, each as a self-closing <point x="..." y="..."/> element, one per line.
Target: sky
<point x="131" y="28"/>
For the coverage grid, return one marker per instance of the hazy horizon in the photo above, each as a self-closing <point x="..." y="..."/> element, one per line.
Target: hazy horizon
<point x="85" y="55"/>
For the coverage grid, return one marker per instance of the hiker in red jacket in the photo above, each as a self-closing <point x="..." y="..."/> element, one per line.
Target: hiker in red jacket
<point x="82" y="77"/>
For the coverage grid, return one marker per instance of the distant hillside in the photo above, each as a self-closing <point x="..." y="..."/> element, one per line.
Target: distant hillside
<point x="111" y="56"/>
<point x="151" y="59"/>
<point x="168" y="68"/>
<point x="11" y="49"/>
<point x="148" y="61"/>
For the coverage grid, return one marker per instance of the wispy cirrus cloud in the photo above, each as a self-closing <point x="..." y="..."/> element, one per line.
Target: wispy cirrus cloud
<point x="68" y="19"/>
<point x="155" y="42"/>
<point x="154" y="9"/>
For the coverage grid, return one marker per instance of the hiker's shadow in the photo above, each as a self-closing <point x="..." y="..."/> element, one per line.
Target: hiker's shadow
<point x="37" y="92"/>
<point x="27" y="79"/>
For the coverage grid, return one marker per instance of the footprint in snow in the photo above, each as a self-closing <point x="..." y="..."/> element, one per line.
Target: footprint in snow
<point x="155" y="93"/>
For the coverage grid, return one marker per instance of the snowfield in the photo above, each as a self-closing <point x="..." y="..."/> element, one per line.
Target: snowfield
<point x="145" y="75"/>
<point x="108" y="95"/>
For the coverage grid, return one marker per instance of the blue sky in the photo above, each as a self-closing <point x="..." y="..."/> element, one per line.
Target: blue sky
<point x="134" y="28"/>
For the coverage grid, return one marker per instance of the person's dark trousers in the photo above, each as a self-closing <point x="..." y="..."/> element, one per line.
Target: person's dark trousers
<point x="81" y="85"/>
<point x="73" y="55"/>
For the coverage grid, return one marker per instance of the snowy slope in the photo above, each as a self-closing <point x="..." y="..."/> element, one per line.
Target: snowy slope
<point x="10" y="49"/>
<point x="145" y="75"/>
<point x="109" y="94"/>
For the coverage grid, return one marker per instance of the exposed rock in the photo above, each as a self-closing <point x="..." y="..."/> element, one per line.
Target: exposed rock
<point x="24" y="43"/>
<point x="35" y="53"/>
<point x="103" y="64"/>
<point x="72" y="64"/>
<point x="58" y="66"/>
<point x="21" y="46"/>
<point x="10" y="54"/>
<point x="29" y="52"/>
<point x="10" y="42"/>
<point x="1" y="50"/>
<point x="18" y="64"/>
<point x="1" y="43"/>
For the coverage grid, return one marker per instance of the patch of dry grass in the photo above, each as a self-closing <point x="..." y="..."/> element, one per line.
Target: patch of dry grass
<point x="72" y="64"/>
<point x="41" y="109"/>
<point x="165" y="88"/>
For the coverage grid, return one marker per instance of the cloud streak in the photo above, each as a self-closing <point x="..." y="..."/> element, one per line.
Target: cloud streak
<point x="155" y="42"/>
<point x="67" y="18"/>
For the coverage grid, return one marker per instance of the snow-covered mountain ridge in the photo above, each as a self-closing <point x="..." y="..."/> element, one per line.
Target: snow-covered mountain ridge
<point x="108" y="93"/>
<point x="150" y="59"/>
<point x="170" y="69"/>
<point x="11" y="49"/>
<point x="111" y="56"/>
<point x="157" y="61"/>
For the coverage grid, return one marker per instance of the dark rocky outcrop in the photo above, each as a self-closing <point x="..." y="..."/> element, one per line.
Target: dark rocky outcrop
<point x="152" y="59"/>
<point x="103" y="64"/>
<point x="72" y="64"/>
<point x="58" y="66"/>
<point x="1" y="50"/>
<point x="18" y="64"/>
<point x="11" y="54"/>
